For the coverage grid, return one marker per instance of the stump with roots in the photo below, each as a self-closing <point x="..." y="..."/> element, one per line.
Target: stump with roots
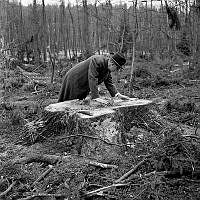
<point x="93" y="130"/>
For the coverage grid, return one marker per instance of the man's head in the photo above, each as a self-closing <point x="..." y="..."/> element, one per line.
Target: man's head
<point x="116" y="62"/>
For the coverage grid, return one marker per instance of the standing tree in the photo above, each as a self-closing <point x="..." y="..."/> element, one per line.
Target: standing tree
<point x="134" y="36"/>
<point x="196" y="62"/>
<point x="35" y="32"/>
<point x="86" y="35"/>
<point x="125" y="35"/>
<point x="97" y="28"/>
<point x="74" y="49"/>
<point x="44" y="32"/>
<point x="79" y="37"/>
<point x="108" y="10"/>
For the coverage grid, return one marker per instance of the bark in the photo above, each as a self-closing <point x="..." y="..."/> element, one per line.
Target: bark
<point x="86" y="35"/>
<point x="44" y="31"/>
<point x="74" y="50"/>
<point x="35" y="21"/>
<point x="52" y="60"/>
<point x="134" y="36"/>
<point x="97" y="28"/>
<point x="80" y="38"/>
<point x="108" y="23"/>
<point x="197" y="54"/>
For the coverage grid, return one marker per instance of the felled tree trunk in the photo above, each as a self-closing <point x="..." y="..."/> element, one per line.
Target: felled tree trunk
<point x="92" y="130"/>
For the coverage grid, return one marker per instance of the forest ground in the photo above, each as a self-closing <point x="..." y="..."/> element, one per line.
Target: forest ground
<point x="28" y="91"/>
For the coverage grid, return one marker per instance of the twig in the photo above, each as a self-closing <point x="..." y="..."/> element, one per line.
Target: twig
<point x="44" y="174"/>
<point x="8" y="189"/>
<point x="53" y="159"/>
<point x="102" y="165"/>
<point x="130" y="172"/>
<point x="37" y="91"/>
<point x="192" y="136"/>
<point x="167" y="174"/>
<point x="104" y="189"/>
<point x="37" y="67"/>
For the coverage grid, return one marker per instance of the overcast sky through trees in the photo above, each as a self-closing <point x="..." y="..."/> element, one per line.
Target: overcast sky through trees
<point x="26" y="2"/>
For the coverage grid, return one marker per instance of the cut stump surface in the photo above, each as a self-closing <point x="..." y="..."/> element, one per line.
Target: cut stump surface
<point x="92" y="111"/>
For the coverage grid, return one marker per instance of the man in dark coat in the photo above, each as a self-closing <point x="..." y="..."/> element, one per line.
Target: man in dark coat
<point x="85" y="77"/>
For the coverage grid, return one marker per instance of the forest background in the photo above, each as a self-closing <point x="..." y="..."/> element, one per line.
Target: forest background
<point x="163" y="31"/>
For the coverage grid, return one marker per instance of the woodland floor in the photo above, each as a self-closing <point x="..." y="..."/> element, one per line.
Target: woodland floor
<point x="179" y="98"/>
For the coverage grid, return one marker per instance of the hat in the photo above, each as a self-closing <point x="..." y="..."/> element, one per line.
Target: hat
<point x="118" y="59"/>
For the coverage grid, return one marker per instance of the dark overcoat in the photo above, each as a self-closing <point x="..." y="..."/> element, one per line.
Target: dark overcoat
<point x="85" y="77"/>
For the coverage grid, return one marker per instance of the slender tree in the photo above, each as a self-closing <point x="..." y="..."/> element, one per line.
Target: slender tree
<point x="74" y="49"/>
<point x="35" y="21"/>
<point x="86" y="35"/>
<point x="134" y="36"/>
<point x="44" y="31"/>
<point x="97" y="28"/>
<point x="79" y="37"/>
<point x="197" y="53"/>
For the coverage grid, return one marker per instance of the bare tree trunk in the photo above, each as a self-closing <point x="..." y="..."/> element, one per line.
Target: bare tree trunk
<point x="147" y="25"/>
<point x="151" y="28"/>
<point x="74" y="50"/>
<point x="35" y="34"/>
<point x="55" y="34"/>
<point x="97" y="27"/>
<point x="3" y="22"/>
<point x="134" y="35"/>
<point x="80" y="38"/>
<point x="68" y="39"/>
<point x="63" y="28"/>
<point x="197" y="54"/>
<point x="193" y="30"/>
<point x="44" y="32"/>
<point x="161" y="24"/>
<point x="52" y="60"/>
<point x="86" y="35"/>
<point x="124" y="24"/>
<point x="61" y="24"/>
<point x="21" y="36"/>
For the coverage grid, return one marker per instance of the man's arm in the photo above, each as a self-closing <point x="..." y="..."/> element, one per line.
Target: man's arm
<point x="110" y="86"/>
<point x="93" y="79"/>
<point x="112" y="89"/>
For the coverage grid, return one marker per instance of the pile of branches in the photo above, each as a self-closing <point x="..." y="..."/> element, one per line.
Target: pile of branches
<point x="48" y="125"/>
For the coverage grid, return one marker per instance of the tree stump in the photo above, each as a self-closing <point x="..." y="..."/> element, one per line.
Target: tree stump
<point x="94" y="130"/>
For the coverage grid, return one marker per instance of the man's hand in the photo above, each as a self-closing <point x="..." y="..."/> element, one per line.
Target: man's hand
<point x="109" y="102"/>
<point x="100" y="100"/>
<point x="123" y="97"/>
<point x="86" y="101"/>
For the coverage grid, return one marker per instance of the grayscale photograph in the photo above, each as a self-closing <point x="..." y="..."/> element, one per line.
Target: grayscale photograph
<point x="99" y="99"/>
